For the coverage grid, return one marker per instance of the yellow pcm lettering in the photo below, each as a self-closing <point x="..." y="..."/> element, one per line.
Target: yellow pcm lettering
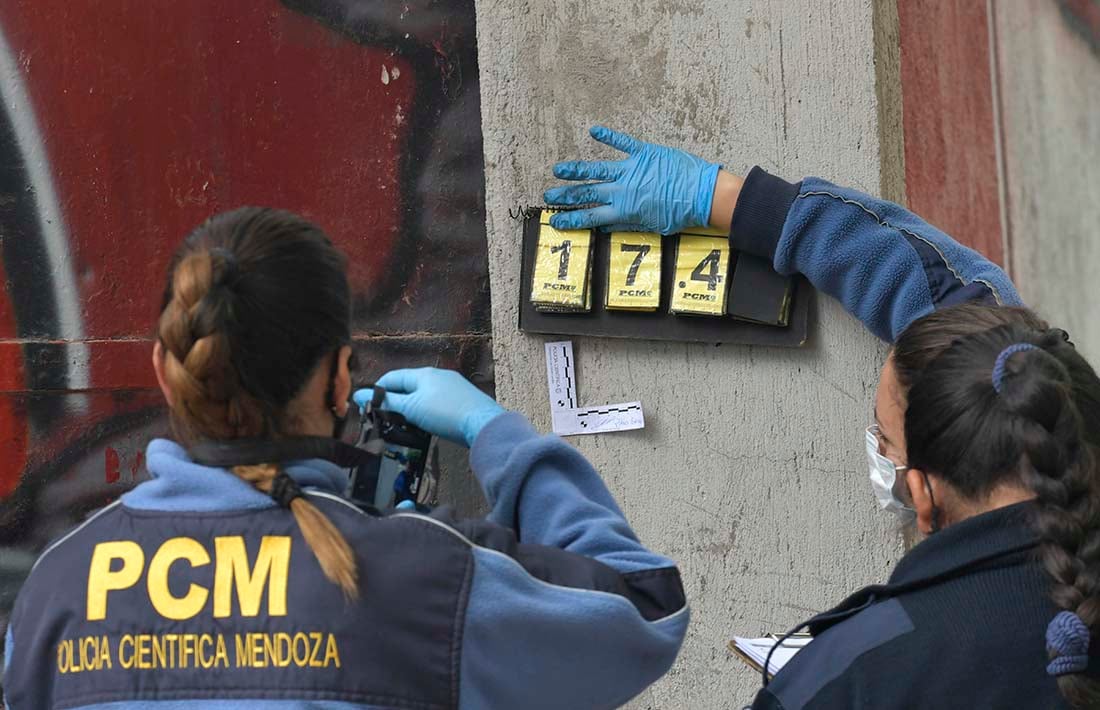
<point x="232" y="569"/>
<point x="87" y="648"/>
<point x="168" y="606"/>
<point x="143" y="651"/>
<point x="312" y="649"/>
<point x="159" y="648"/>
<point x="119" y="565"/>
<point x="220" y="656"/>
<point x="242" y="655"/>
<point x="124" y="660"/>
<point x="315" y="637"/>
<point x="282" y="649"/>
<point x="64" y="656"/>
<point x="331" y="652"/>
<point x="102" y="579"/>
<point x="104" y="653"/>
<point x="187" y="650"/>
<point x="155" y="651"/>
<point x="304" y="658"/>
<point x="205" y="660"/>
<point x="270" y="650"/>
<point x="259" y="660"/>
<point x="87" y="653"/>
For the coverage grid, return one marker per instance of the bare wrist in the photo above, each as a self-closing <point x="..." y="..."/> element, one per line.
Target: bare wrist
<point x="726" y="191"/>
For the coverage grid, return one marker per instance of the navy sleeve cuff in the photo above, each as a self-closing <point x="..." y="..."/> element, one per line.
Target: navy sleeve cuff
<point x="761" y="211"/>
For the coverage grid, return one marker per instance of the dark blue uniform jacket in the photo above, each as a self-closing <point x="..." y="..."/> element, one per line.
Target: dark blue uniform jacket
<point x="196" y="591"/>
<point x="960" y="624"/>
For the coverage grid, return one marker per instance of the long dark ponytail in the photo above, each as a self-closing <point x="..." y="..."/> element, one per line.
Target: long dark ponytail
<point x="256" y="300"/>
<point x="1035" y="423"/>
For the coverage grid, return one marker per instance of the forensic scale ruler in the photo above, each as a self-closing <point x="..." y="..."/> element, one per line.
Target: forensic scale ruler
<point x="568" y="417"/>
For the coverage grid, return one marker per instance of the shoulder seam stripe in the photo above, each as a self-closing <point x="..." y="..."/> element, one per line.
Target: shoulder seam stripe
<point x="884" y="223"/>
<point x="527" y="574"/>
<point x="72" y="532"/>
<point x="470" y="543"/>
<point x="338" y="499"/>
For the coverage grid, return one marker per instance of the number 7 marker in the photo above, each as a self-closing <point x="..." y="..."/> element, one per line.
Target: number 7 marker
<point x="634" y="272"/>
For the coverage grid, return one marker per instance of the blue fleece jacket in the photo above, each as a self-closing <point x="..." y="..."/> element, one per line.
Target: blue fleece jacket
<point x="885" y="265"/>
<point x="580" y="647"/>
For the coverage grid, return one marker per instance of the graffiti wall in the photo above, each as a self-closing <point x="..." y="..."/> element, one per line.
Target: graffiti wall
<point x="125" y="124"/>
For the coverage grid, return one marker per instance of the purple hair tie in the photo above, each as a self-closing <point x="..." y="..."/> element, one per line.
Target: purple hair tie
<point x="1069" y="637"/>
<point x="999" y="365"/>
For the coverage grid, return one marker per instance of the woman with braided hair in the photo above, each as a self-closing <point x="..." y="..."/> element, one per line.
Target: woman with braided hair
<point x="987" y="435"/>
<point x="250" y="582"/>
<point x="1026" y="428"/>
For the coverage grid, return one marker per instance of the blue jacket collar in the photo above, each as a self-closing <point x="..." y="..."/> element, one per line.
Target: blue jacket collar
<point x="178" y="484"/>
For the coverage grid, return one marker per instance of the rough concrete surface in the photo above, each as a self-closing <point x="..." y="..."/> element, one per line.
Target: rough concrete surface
<point x="1049" y="81"/>
<point x="888" y="88"/>
<point x="750" y="471"/>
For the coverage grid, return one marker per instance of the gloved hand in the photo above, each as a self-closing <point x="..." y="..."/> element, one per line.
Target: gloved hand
<point x="655" y="189"/>
<point x="442" y="402"/>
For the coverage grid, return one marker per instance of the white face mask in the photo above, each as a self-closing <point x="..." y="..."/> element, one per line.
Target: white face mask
<point x="886" y="479"/>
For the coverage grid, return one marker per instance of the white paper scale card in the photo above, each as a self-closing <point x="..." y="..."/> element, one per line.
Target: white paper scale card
<point x="560" y="377"/>
<point x="569" y="419"/>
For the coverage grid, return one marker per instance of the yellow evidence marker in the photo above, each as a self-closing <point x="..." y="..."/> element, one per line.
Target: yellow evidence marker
<point x="702" y="269"/>
<point x="563" y="269"/>
<point x="634" y="274"/>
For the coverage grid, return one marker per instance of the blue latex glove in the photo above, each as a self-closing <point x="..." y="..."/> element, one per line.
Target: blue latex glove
<point x="655" y="189"/>
<point x="442" y="402"/>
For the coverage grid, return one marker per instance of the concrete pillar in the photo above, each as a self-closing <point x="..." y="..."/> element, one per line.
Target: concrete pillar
<point x="750" y="471"/>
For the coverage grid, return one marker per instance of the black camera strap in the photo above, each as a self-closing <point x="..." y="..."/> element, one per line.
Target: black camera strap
<point x="250" y="452"/>
<point x="378" y="429"/>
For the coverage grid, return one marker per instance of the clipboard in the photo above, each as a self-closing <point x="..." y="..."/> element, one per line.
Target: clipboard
<point x="798" y="641"/>
<point x="756" y="667"/>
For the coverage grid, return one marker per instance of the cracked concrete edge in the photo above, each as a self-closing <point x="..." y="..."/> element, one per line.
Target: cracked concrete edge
<point x="888" y="99"/>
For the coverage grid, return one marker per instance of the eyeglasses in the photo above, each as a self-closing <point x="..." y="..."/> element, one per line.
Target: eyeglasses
<point x="875" y="431"/>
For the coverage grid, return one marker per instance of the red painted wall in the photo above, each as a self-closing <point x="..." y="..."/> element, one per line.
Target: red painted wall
<point x="143" y="117"/>
<point x="951" y="172"/>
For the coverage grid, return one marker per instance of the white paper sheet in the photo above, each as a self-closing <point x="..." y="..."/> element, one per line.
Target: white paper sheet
<point x="757" y="650"/>
<point x="597" y="420"/>
<point x="560" y="377"/>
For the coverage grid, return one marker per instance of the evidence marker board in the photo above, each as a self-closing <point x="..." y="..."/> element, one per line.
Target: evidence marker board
<point x="563" y="269"/>
<point x="699" y="283"/>
<point x="687" y="287"/>
<point x="634" y="272"/>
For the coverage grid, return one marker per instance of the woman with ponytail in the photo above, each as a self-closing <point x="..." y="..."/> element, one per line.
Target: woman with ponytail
<point x="1025" y="428"/>
<point x="239" y="577"/>
<point x="986" y="436"/>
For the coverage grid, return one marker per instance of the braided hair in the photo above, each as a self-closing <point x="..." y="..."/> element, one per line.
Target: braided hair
<point x="995" y="396"/>
<point x="257" y="299"/>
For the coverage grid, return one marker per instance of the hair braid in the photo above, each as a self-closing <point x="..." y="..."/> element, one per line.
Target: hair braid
<point x="333" y="553"/>
<point x="200" y="336"/>
<point x="1060" y="466"/>
<point x="198" y="360"/>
